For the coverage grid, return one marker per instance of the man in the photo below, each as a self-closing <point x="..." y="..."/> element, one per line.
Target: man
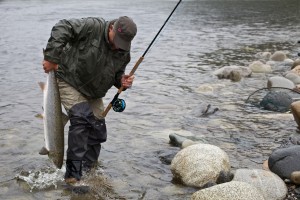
<point x="90" y="56"/>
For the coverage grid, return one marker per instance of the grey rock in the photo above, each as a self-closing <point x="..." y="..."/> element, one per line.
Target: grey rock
<point x="279" y="81"/>
<point x="295" y="78"/>
<point x="285" y="161"/>
<point x="234" y="190"/>
<point x="277" y="101"/>
<point x="270" y="184"/>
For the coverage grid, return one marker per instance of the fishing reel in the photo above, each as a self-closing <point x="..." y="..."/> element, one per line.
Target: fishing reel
<point x="117" y="104"/>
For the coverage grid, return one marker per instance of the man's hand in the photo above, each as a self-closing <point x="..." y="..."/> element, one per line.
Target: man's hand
<point x="127" y="81"/>
<point x="48" y="66"/>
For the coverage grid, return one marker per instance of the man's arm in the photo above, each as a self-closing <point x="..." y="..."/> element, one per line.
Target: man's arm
<point x="63" y="32"/>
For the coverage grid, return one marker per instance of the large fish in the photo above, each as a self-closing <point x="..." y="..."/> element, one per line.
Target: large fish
<point x="54" y="121"/>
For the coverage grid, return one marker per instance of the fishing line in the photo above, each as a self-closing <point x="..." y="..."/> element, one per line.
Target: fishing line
<point x="119" y="104"/>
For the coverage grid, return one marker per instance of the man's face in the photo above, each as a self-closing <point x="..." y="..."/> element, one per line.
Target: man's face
<point x="111" y="36"/>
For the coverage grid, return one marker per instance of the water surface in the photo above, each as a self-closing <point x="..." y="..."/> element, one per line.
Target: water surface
<point x="201" y="37"/>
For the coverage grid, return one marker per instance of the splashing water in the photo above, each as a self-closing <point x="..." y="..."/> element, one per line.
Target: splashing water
<point x="42" y="179"/>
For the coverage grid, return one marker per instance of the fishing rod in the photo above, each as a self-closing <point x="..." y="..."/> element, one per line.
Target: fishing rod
<point x="117" y="104"/>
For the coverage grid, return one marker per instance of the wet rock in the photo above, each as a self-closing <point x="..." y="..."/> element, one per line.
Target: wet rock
<point x="278" y="56"/>
<point x="259" y="67"/>
<point x="279" y="81"/>
<point x="225" y="72"/>
<point x="296" y="70"/>
<point x="235" y="76"/>
<point x="295" y="139"/>
<point x="269" y="184"/>
<point x="166" y="157"/>
<point x="180" y="141"/>
<point x="265" y="165"/>
<point x="199" y="164"/>
<point x="295" y="78"/>
<point x="285" y="161"/>
<point x="295" y="177"/>
<point x="281" y="66"/>
<point x="263" y="55"/>
<point x="295" y="108"/>
<point x="228" y="191"/>
<point x="296" y="63"/>
<point x="276" y="101"/>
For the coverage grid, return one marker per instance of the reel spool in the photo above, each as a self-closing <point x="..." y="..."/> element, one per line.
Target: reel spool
<point x="119" y="105"/>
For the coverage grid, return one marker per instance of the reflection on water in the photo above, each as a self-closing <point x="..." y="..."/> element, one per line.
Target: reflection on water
<point x="201" y="37"/>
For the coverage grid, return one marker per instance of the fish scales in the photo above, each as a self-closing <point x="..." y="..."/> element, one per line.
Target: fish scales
<point x="53" y="121"/>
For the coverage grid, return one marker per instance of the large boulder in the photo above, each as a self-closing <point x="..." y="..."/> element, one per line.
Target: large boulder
<point x="270" y="184"/>
<point x="285" y="161"/>
<point x="200" y="164"/>
<point x="234" y="190"/>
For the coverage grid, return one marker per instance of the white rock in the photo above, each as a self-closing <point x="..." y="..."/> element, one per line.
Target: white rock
<point x="270" y="184"/>
<point x="278" y="56"/>
<point x="199" y="164"/>
<point x="263" y="55"/>
<point x="224" y="72"/>
<point x="279" y="81"/>
<point x="259" y="67"/>
<point x="295" y="78"/>
<point x="233" y="190"/>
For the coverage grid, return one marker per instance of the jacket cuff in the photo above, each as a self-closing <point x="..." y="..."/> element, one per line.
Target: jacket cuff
<point x="52" y="59"/>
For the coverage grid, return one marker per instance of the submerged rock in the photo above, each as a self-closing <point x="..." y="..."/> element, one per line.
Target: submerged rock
<point x="277" y="101"/>
<point x="234" y="73"/>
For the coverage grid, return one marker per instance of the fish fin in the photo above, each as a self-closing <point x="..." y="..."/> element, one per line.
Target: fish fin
<point x="39" y="115"/>
<point x="44" y="151"/>
<point x="42" y="85"/>
<point x="65" y="118"/>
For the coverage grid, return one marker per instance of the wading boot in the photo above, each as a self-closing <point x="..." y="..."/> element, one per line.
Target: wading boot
<point x="73" y="171"/>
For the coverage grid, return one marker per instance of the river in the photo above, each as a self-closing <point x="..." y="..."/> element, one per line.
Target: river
<point x="201" y="37"/>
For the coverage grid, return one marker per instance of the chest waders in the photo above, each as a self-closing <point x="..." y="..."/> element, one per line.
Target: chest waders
<point x="86" y="133"/>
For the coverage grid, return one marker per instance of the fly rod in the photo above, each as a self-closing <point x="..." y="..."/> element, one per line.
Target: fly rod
<point x="119" y="104"/>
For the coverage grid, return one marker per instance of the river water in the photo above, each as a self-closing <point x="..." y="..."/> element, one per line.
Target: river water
<point x="167" y="95"/>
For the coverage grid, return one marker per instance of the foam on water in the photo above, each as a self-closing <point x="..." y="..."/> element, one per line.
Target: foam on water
<point x="42" y="179"/>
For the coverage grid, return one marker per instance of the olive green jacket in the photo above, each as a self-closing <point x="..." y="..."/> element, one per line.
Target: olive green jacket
<point x="86" y="60"/>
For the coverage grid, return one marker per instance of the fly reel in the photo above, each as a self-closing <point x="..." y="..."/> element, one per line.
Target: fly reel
<point x="118" y="105"/>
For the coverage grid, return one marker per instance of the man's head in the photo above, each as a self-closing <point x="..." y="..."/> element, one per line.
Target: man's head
<point x="122" y="33"/>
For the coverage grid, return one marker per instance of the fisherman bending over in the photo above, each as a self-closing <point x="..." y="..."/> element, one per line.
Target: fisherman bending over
<point x="90" y="56"/>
